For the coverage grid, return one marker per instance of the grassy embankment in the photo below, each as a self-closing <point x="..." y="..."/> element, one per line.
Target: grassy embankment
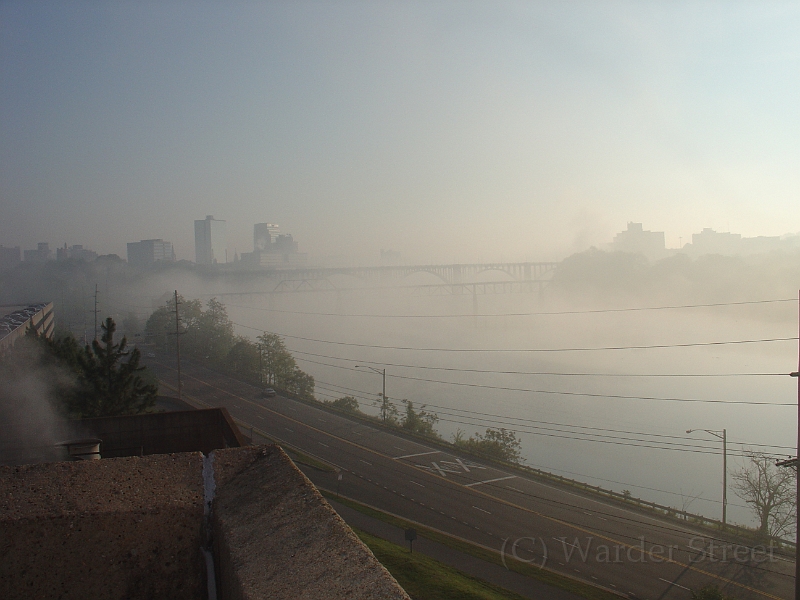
<point x="546" y="576"/>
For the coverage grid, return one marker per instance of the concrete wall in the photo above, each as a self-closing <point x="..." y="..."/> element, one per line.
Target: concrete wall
<point x="162" y="433"/>
<point x="107" y="529"/>
<point x="123" y="528"/>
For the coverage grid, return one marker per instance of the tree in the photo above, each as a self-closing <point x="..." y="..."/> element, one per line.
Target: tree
<point x="109" y="385"/>
<point x="770" y="492"/>
<point x="421" y="422"/>
<point x="499" y="444"/>
<point x="346" y="403"/>
<point x="243" y="359"/>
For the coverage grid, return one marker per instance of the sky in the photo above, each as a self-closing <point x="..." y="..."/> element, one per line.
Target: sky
<point x="447" y="131"/>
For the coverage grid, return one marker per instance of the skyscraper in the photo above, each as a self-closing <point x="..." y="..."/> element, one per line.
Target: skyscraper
<point x="147" y="252"/>
<point x="264" y="234"/>
<point x="210" y="246"/>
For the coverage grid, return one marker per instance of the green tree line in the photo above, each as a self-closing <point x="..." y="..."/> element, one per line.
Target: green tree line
<point x="207" y="334"/>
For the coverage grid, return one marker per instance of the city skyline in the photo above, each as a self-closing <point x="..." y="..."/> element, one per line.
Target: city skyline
<point x="445" y="132"/>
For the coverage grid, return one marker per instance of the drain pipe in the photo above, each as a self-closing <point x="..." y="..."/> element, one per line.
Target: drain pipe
<point x="209" y="489"/>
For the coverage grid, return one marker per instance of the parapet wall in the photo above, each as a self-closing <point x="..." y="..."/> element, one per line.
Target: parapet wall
<point x="132" y="528"/>
<point x="119" y="528"/>
<point x="276" y="536"/>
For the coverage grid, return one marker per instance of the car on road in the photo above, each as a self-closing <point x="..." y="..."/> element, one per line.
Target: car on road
<point x="268" y="393"/>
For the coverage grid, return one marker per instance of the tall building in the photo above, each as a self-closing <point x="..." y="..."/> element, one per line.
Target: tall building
<point x="272" y="249"/>
<point x="147" y="252"/>
<point x="41" y="254"/>
<point x="264" y="234"/>
<point x="210" y="246"/>
<point x="636" y="239"/>
<point x="78" y="252"/>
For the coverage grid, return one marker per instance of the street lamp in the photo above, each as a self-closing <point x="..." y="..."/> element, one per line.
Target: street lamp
<point x="722" y="435"/>
<point x="384" y="404"/>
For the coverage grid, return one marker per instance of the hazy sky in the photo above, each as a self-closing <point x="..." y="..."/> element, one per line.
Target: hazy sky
<point x="445" y="130"/>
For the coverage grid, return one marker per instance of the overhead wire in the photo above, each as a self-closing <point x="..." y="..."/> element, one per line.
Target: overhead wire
<point x="543" y="373"/>
<point x="537" y="422"/>
<point x="570" y="507"/>
<point x="564" y="393"/>
<point x="597" y="438"/>
<point x="518" y="314"/>
<point x="523" y="350"/>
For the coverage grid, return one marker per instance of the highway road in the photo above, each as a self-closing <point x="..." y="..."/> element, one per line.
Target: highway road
<point x="580" y="536"/>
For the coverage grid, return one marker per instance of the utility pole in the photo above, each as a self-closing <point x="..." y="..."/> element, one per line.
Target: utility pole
<point x="797" y="496"/>
<point x="724" y="477"/>
<point x="178" y="343"/>
<point x="95" y="311"/>
<point x="722" y="435"/>
<point x="794" y="463"/>
<point x="384" y="396"/>
<point x="384" y="403"/>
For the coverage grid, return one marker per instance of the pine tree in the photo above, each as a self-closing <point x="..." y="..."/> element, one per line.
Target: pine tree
<point x="110" y="385"/>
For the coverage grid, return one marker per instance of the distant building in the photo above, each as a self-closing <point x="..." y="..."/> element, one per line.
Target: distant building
<point x="16" y="322"/>
<point x="272" y="249"/>
<point x="264" y="234"/>
<point x="76" y="252"/>
<point x="9" y="257"/>
<point x="41" y="254"/>
<point x="635" y="239"/>
<point x="210" y="245"/>
<point x="147" y="252"/>
<point x="709" y="241"/>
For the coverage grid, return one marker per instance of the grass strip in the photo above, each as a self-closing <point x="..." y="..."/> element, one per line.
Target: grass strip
<point x="423" y="577"/>
<point x="546" y="576"/>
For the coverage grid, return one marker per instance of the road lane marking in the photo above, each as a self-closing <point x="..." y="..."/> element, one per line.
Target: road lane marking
<point x="673" y="583"/>
<point x="418" y="454"/>
<point x="480" y="509"/>
<point x="321" y="444"/>
<point x="490" y="496"/>
<point x="490" y="480"/>
<point x="463" y="466"/>
<point x="511" y="487"/>
<point x="365" y="462"/>
<point x="415" y="483"/>
<point x="289" y="430"/>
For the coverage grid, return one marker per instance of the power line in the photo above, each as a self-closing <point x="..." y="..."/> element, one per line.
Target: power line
<point x="588" y="429"/>
<point x="555" y="373"/>
<point x="597" y="438"/>
<point x="519" y="350"/>
<point x="519" y="314"/>
<point x="562" y="393"/>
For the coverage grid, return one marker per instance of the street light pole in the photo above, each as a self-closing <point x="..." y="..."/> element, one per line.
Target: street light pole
<point x="722" y="435"/>
<point x="384" y="402"/>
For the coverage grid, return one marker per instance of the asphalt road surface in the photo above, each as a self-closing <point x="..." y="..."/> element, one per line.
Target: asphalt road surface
<point x="622" y="550"/>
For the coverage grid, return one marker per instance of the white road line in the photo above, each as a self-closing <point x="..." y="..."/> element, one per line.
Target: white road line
<point x="289" y="430"/>
<point x="511" y="487"/>
<point x="418" y="454"/>
<point x="480" y="509"/>
<point x="401" y="449"/>
<point x="673" y="583"/>
<point x="260" y="417"/>
<point x="463" y="466"/>
<point x="365" y="462"/>
<point x="415" y="483"/>
<point x="321" y="444"/>
<point x="490" y="480"/>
